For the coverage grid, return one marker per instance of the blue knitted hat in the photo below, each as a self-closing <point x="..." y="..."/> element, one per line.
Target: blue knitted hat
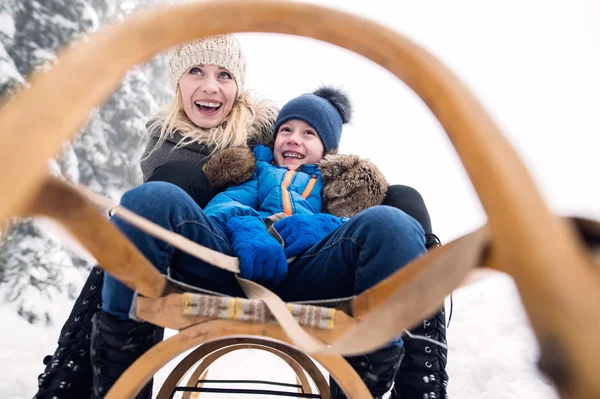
<point x="326" y="110"/>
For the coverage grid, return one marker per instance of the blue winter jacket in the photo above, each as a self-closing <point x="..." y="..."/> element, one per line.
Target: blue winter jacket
<point x="272" y="189"/>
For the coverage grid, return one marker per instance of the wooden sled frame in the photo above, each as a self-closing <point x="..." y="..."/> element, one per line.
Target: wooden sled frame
<point x="554" y="272"/>
<point x="208" y="353"/>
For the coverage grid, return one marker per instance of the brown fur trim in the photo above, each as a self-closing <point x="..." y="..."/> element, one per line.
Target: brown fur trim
<point x="232" y="166"/>
<point x="351" y="185"/>
<point x="229" y="167"/>
<point x="261" y="131"/>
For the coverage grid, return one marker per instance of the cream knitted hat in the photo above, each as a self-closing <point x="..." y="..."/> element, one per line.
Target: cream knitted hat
<point x="224" y="51"/>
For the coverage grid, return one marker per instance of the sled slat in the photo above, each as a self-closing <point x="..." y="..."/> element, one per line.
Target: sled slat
<point x="114" y="253"/>
<point x="167" y="312"/>
<point x="430" y="278"/>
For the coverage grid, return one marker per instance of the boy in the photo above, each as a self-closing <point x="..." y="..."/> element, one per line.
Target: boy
<point x="286" y="180"/>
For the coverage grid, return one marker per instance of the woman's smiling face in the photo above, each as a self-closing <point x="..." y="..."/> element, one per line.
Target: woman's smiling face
<point x="297" y="143"/>
<point x="207" y="94"/>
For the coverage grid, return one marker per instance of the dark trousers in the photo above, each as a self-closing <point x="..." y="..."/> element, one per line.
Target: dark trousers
<point x="191" y="179"/>
<point x="352" y="256"/>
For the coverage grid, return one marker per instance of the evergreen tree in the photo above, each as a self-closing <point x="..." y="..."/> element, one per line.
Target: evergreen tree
<point x="103" y="156"/>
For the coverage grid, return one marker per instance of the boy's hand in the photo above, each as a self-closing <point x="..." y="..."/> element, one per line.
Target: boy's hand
<point x="300" y="232"/>
<point x="261" y="257"/>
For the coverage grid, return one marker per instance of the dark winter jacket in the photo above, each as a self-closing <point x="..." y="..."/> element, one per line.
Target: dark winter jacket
<point x="194" y="153"/>
<point x="260" y="132"/>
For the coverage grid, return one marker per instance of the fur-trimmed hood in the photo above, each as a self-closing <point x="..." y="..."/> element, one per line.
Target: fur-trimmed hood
<point x="259" y="132"/>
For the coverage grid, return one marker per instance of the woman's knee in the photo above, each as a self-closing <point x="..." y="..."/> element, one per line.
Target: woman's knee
<point x="409" y="200"/>
<point x="389" y="239"/>
<point x="386" y="223"/>
<point x="384" y="218"/>
<point x="153" y="197"/>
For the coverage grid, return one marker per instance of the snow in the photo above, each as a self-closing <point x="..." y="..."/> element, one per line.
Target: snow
<point x="62" y="22"/>
<point x="492" y="349"/>
<point x="8" y="70"/>
<point x="23" y="347"/>
<point x="89" y="14"/>
<point x="7" y="25"/>
<point x="44" y="55"/>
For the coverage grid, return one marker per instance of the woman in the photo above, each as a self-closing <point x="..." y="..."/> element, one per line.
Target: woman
<point x="203" y="127"/>
<point x="209" y="114"/>
<point x="319" y="247"/>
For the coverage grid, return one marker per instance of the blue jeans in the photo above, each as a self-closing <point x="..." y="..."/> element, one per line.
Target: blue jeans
<point x="359" y="254"/>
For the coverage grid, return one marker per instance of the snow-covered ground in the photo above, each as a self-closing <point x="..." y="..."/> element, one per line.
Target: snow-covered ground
<point x="492" y="349"/>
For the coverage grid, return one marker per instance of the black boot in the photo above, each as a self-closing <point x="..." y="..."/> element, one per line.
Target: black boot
<point x="116" y="344"/>
<point x="68" y="373"/>
<point x="422" y="374"/>
<point x="377" y="370"/>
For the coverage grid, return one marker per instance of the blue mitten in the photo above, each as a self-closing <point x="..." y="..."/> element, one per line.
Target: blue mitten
<point x="300" y="232"/>
<point x="261" y="257"/>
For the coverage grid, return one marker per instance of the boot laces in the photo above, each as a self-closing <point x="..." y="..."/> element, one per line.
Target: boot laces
<point x="426" y="360"/>
<point x="63" y="363"/>
<point x="435" y="329"/>
<point x="439" y="385"/>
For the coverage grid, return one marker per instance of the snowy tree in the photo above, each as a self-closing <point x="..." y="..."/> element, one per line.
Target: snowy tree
<point x="104" y="154"/>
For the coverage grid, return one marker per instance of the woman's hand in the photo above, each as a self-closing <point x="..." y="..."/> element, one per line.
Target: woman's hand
<point x="300" y="232"/>
<point x="351" y="185"/>
<point x="229" y="167"/>
<point x="261" y="257"/>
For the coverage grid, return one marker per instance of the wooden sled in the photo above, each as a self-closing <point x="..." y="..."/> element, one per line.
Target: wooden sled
<point x="300" y="363"/>
<point x="550" y="258"/>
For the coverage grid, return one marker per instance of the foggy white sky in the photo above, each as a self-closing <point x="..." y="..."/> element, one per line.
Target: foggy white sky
<point x="534" y="66"/>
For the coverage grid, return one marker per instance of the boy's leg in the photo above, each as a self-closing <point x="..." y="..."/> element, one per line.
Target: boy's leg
<point x="423" y="370"/>
<point x="362" y="252"/>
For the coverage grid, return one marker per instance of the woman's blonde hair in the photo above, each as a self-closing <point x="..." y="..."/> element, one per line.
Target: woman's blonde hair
<point x="233" y="131"/>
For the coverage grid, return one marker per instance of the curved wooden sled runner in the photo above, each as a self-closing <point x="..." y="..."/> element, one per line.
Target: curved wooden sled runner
<point x="210" y="352"/>
<point x="547" y="256"/>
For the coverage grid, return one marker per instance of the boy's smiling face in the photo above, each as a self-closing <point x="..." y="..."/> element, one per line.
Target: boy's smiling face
<point x="297" y="143"/>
